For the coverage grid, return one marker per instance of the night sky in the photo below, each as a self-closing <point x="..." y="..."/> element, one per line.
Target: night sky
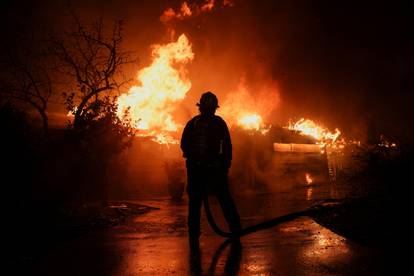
<point x="347" y="64"/>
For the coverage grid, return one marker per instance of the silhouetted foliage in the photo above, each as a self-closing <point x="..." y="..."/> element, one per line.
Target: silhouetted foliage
<point x="91" y="57"/>
<point x="45" y="179"/>
<point x="95" y="143"/>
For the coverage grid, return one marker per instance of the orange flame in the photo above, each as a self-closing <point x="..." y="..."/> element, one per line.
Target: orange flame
<point x="229" y="3"/>
<point x="190" y="10"/>
<point x="162" y="86"/>
<point x="208" y="5"/>
<point x="310" y="128"/>
<point x="250" y="121"/>
<point x="244" y="110"/>
<point x="170" y="13"/>
<point x="308" y="178"/>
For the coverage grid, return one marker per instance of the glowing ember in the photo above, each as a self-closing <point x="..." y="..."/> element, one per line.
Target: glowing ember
<point x="309" y="127"/>
<point x="308" y="178"/>
<point x="162" y="86"/>
<point x="385" y="143"/>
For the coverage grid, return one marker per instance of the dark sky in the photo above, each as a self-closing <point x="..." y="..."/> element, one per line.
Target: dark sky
<point x="345" y="63"/>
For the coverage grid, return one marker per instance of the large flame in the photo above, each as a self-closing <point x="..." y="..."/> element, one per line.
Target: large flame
<point x="150" y="105"/>
<point x="162" y="85"/>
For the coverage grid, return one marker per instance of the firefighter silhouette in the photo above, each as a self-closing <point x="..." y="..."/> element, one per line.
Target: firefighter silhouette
<point x="206" y="145"/>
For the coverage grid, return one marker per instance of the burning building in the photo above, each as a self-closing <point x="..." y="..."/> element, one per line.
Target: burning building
<point x="162" y="99"/>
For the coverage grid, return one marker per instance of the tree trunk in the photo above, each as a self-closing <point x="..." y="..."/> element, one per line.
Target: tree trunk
<point x="45" y="123"/>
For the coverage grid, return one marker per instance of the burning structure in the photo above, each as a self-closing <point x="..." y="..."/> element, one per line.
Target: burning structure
<point x="268" y="61"/>
<point x="157" y="106"/>
<point x="154" y="106"/>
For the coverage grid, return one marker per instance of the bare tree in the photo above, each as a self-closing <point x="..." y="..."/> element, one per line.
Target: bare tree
<point x="92" y="58"/>
<point x="26" y="79"/>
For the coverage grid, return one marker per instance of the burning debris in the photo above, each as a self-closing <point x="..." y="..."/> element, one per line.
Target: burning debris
<point x="310" y="128"/>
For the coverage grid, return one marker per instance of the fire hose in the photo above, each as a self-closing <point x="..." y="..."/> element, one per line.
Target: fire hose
<point x="253" y="228"/>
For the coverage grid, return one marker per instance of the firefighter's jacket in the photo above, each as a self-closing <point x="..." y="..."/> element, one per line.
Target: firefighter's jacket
<point x="206" y="141"/>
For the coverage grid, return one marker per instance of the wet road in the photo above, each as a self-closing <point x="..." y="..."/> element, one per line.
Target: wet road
<point x="156" y="244"/>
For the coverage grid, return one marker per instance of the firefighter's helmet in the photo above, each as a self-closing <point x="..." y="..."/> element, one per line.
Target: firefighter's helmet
<point x="208" y="101"/>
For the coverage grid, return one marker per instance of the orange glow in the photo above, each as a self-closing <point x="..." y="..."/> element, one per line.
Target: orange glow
<point x="308" y="178"/>
<point x="385" y="143"/>
<point x="163" y="84"/>
<point x="183" y="12"/>
<point x="242" y="109"/>
<point x="229" y="3"/>
<point x="309" y="193"/>
<point x="193" y="9"/>
<point x="250" y="121"/>
<point x="208" y="5"/>
<point x="310" y="128"/>
<point x="71" y="113"/>
<point x="185" y="9"/>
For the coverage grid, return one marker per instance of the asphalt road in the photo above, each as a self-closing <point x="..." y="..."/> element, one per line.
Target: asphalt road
<point x="156" y="244"/>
